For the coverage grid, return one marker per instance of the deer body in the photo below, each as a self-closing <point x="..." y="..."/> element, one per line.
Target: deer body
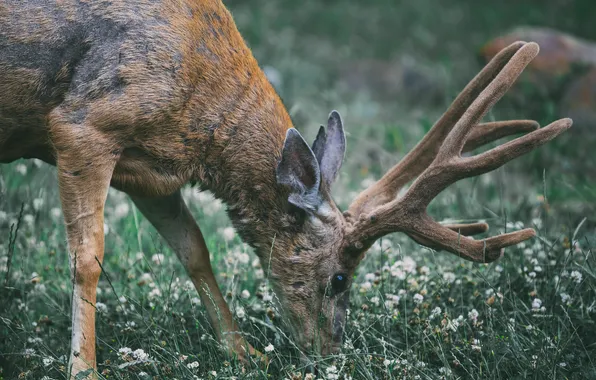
<point x="148" y="95"/>
<point x="145" y="96"/>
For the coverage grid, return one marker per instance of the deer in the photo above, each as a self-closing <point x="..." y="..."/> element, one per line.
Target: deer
<point x="147" y="96"/>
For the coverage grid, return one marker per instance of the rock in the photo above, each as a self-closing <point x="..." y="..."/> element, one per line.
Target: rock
<point x="559" y="51"/>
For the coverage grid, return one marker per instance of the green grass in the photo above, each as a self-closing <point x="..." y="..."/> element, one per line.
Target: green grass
<point x="414" y="313"/>
<point x="150" y="305"/>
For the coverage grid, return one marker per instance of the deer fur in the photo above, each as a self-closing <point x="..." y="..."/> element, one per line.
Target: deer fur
<point x="146" y="96"/>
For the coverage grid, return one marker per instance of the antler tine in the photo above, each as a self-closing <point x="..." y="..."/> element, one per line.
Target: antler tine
<point x="426" y="150"/>
<point x="455" y="140"/>
<point x="485" y="133"/>
<point x="434" y="235"/>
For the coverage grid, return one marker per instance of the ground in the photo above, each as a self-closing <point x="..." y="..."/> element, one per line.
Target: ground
<point x="414" y="313"/>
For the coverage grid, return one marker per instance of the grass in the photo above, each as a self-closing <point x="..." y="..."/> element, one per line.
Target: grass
<point x="414" y="313"/>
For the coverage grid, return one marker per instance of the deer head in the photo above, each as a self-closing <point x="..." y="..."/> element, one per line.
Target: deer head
<point x="312" y="268"/>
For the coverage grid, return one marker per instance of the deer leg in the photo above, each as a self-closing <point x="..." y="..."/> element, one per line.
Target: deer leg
<point x="172" y="219"/>
<point x="84" y="181"/>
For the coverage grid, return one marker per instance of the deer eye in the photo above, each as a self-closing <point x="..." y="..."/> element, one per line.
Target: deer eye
<point x="339" y="282"/>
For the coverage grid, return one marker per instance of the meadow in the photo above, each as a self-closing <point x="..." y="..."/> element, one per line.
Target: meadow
<point x="414" y="313"/>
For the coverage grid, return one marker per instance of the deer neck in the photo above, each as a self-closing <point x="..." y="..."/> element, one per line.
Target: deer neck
<point x="239" y="161"/>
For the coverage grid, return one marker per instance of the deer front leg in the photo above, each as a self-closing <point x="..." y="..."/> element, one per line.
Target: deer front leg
<point x="84" y="183"/>
<point x="172" y="219"/>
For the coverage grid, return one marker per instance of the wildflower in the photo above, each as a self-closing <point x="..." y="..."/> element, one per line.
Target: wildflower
<point x="532" y="274"/>
<point x="139" y="354"/>
<point x="375" y="301"/>
<point x="498" y="268"/>
<point x="47" y="361"/>
<point x="37" y="204"/>
<point x="449" y="277"/>
<point x="101" y="307"/>
<point x="121" y="210"/>
<point x="436" y="311"/>
<point x="240" y="312"/>
<point x="269" y="348"/>
<point x="245" y="294"/>
<point x="418" y="298"/>
<point x="536" y="304"/>
<point x="365" y="286"/>
<point x="158" y="258"/>
<point x="29" y="351"/>
<point x="124" y="351"/>
<point x="565" y="298"/>
<point x="122" y="299"/>
<point x="29" y="219"/>
<point x="193" y="365"/>
<point x="576" y="276"/>
<point x="21" y="169"/>
<point x="332" y="372"/>
<point x="425" y="270"/>
<point x="473" y="316"/>
<point x="228" y="233"/>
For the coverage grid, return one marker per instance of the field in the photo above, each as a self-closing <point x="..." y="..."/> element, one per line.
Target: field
<point x="414" y="313"/>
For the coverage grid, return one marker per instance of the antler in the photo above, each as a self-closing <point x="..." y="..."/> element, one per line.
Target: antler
<point x="437" y="162"/>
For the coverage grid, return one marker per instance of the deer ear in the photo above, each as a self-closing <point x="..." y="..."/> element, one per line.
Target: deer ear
<point x="299" y="170"/>
<point x="330" y="147"/>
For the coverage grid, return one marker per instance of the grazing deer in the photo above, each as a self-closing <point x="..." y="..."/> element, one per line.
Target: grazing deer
<point x="146" y="96"/>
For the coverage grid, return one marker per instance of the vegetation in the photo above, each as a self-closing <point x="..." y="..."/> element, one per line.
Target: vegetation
<point x="415" y="313"/>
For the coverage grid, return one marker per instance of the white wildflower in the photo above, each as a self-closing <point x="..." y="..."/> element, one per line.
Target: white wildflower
<point x="269" y="348"/>
<point x="29" y="219"/>
<point x="140" y="354"/>
<point x="536" y="304"/>
<point x="193" y="365"/>
<point x="449" y="277"/>
<point x="37" y="204"/>
<point x="576" y="276"/>
<point x="418" y="298"/>
<point x="101" y="307"/>
<point x="21" y="169"/>
<point x="121" y="210"/>
<point x="228" y="233"/>
<point x="434" y="313"/>
<point x="365" y="286"/>
<point x="55" y="213"/>
<point x="158" y="258"/>
<point x="375" y="300"/>
<point x="245" y="294"/>
<point x="473" y="315"/>
<point x="47" y="361"/>
<point x="565" y="298"/>
<point x="240" y="312"/>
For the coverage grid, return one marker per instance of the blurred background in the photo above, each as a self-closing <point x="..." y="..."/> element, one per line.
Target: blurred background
<point x="393" y="67"/>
